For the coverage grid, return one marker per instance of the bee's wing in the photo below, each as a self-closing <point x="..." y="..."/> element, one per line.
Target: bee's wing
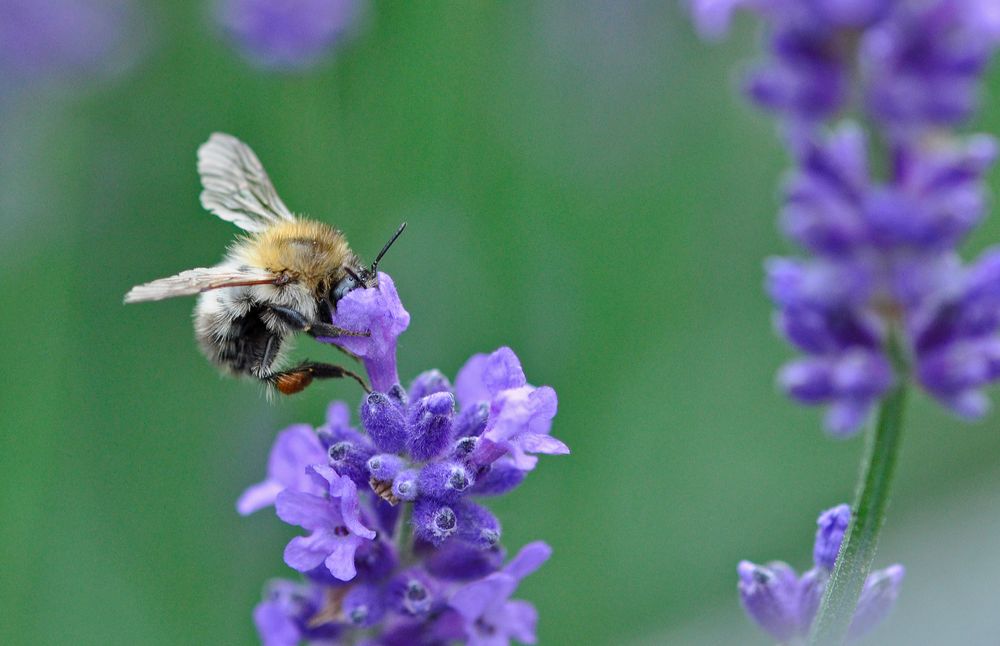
<point x="236" y="185"/>
<point x="198" y="280"/>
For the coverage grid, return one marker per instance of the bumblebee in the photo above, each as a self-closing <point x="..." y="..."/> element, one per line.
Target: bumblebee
<point x="284" y="276"/>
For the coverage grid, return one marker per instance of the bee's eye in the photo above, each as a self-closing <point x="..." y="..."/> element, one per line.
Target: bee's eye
<point x="342" y="288"/>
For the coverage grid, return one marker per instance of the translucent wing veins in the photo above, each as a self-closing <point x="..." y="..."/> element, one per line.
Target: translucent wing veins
<point x="194" y="281"/>
<point x="236" y="186"/>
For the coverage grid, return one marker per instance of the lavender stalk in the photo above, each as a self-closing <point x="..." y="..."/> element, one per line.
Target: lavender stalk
<point x="883" y="301"/>
<point x="857" y="551"/>
<point x="397" y="551"/>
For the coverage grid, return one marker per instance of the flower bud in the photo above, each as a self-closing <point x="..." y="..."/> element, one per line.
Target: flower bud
<point x="476" y="525"/>
<point x="412" y="593"/>
<point x="458" y="561"/>
<point x="832" y="524"/>
<point x="363" y="606"/>
<point x="498" y="478"/>
<point x="384" y="422"/>
<point x="433" y="521"/>
<point x="404" y="486"/>
<point x="428" y="383"/>
<point x="444" y="481"/>
<point x="429" y="426"/>
<point x="350" y="459"/>
<point x="472" y="420"/>
<point x="385" y="466"/>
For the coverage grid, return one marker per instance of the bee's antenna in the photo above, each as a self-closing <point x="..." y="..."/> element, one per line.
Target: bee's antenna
<point x="386" y="248"/>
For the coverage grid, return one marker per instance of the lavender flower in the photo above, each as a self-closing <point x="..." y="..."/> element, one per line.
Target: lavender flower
<point x="784" y="604"/>
<point x="884" y="269"/>
<point x="434" y="573"/>
<point x="337" y="531"/>
<point x="287" y="34"/>
<point x="43" y="39"/>
<point x="490" y="617"/>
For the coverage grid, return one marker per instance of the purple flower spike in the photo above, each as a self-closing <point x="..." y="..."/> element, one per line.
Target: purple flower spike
<point x="884" y="265"/>
<point x="433" y="574"/>
<point x="832" y="525"/>
<point x="336" y="527"/>
<point x="491" y="618"/>
<point x="287" y="34"/>
<point x="379" y="311"/>
<point x="294" y="449"/>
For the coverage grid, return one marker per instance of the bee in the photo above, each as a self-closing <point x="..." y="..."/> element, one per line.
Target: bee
<point x="284" y="276"/>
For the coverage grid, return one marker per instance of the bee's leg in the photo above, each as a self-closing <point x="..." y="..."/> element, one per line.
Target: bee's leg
<point x="313" y="328"/>
<point x="270" y="351"/>
<point x="295" y="380"/>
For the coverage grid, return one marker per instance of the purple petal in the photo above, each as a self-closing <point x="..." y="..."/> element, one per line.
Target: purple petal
<point x="530" y="558"/>
<point x="294" y="449"/>
<point x="258" y="496"/>
<point x="877" y="599"/>
<point x="484" y="376"/>
<point x="304" y="553"/>
<point x="520" y="620"/>
<point x="469" y="385"/>
<point x="305" y="510"/>
<point x="379" y="311"/>
<point x="345" y="489"/>
<point x="537" y="443"/>
<point x="475" y="599"/>
<point x="845" y="417"/>
<point x="340" y="561"/>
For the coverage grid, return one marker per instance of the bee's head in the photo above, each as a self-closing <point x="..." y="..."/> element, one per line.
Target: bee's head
<point x="366" y="277"/>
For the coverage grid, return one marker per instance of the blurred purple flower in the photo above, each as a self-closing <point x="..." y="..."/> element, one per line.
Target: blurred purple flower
<point x="784" y="604"/>
<point x="66" y="39"/>
<point x="884" y="261"/>
<point x="287" y="34"/>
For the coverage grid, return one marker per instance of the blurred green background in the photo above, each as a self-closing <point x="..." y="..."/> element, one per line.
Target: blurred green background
<point x="583" y="183"/>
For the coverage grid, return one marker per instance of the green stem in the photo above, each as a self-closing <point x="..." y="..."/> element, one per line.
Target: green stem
<point x="404" y="535"/>
<point x="854" y="562"/>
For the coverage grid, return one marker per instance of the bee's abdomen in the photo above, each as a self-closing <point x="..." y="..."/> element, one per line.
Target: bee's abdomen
<point x="241" y="345"/>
